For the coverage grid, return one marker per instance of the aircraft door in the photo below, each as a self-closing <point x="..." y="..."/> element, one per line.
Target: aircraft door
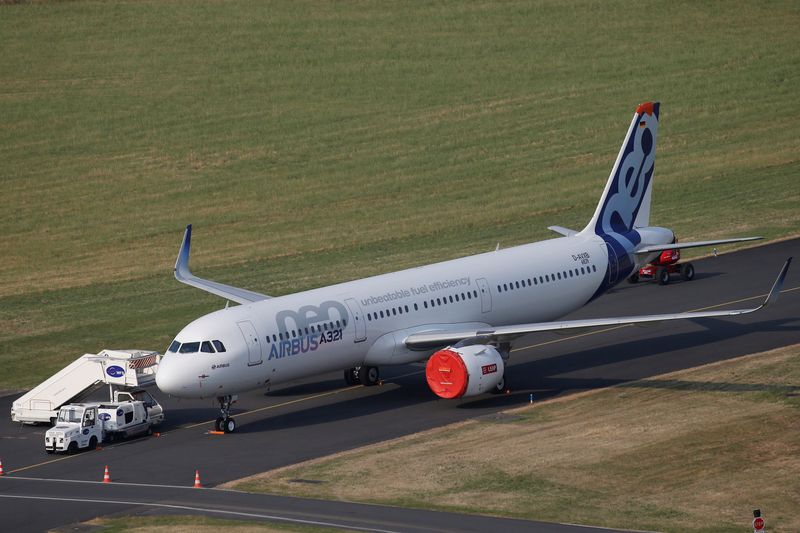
<point x="358" y="320"/>
<point x="486" y="296"/>
<point x="251" y="339"/>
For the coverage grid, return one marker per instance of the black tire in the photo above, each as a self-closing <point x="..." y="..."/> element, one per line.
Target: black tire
<point x="369" y="375"/>
<point x="72" y="449"/>
<point x="662" y="276"/>
<point x="350" y="376"/>
<point x="218" y="424"/>
<point x="93" y="443"/>
<point x="687" y="272"/>
<point x="229" y="425"/>
<point x="633" y="278"/>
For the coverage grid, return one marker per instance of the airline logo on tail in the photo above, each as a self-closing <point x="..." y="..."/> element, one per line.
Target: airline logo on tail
<point x="631" y="177"/>
<point x="625" y="203"/>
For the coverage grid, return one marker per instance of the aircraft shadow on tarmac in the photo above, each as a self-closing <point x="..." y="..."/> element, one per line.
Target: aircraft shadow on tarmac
<point x="540" y="377"/>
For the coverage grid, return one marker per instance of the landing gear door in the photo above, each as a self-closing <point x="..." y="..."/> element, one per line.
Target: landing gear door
<point x="251" y="339"/>
<point x="358" y="320"/>
<point x="486" y="296"/>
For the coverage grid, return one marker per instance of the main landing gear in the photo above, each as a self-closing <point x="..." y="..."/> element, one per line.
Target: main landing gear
<point x="225" y="423"/>
<point x="365" y="375"/>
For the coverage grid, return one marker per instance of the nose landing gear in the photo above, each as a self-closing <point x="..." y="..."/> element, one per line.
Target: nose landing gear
<point x="225" y="423"/>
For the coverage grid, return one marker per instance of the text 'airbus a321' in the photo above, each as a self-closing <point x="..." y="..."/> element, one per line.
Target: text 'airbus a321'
<point x="462" y="316"/>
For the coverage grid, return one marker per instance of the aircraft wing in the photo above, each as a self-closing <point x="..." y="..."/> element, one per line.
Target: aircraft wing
<point x="566" y="232"/>
<point x="677" y="245"/>
<point x="430" y="340"/>
<point x="184" y="275"/>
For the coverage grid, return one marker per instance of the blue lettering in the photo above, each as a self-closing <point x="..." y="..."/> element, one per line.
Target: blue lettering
<point x="273" y="352"/>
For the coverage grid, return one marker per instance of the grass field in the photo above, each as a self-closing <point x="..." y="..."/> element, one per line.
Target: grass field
<point x="695" y="450"/>
<point x="318" y="142"/>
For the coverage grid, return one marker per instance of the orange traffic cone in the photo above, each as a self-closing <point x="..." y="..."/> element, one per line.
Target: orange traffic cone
<point x="1" y="468"/>
<point x="106" y="477"/>
<point x="197" y="484"/>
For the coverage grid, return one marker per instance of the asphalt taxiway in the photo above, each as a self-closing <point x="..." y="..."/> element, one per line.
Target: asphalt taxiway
<point x="321" y="416"/>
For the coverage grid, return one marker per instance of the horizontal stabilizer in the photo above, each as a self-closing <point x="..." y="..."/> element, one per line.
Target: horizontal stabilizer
<point x="696" y="244"/>
<point x="420" y="341"/>
<point x="184" y="275"/>
<point x="566" y="232"/>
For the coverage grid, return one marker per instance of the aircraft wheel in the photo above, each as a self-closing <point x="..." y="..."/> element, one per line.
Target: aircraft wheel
<point x="93" y="443"/>
<point x="229" y="425"/>
<point x="687" y="272"/>
<point x="633" y="278"/>
<point x="368" y="375"/>
<point x="662" y="275"/>
<point x="218" y="424"/>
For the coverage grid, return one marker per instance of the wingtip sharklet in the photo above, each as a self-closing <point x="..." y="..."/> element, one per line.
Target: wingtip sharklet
<point x="182" y="263"/>
<point x="772" y="297"/>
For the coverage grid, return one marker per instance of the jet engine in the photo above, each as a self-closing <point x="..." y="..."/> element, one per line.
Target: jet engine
<point x="464" y="371"/>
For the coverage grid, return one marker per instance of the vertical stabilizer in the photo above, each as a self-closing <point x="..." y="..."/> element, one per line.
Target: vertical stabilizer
<point x="625" y="203"/>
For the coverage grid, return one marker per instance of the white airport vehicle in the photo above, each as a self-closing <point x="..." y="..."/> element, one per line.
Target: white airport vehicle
<point x="462" y="316"/>
<point x="115" y="368"/>
<point x="85" y="425"/>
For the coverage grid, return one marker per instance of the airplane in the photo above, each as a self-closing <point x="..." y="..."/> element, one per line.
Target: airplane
<point x="462" y="315"/>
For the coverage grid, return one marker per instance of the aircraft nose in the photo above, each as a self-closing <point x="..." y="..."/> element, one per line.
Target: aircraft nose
<point x="168" y="376"/>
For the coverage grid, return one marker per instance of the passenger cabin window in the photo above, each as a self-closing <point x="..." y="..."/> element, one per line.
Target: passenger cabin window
<point x="190" y="347"/>
<point x="206" y="347"/>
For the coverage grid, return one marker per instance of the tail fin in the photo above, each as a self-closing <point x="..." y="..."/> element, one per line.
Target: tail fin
<point x="625" y="203"/>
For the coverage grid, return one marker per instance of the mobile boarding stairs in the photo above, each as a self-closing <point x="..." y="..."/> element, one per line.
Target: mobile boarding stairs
<point x="123" y="369"/>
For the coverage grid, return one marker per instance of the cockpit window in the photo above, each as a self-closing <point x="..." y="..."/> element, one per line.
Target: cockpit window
<point x="190" y="347"/>
<point x="174" y="347"/>
<point x="206" y="347"/>
<point x="219" y="346"/>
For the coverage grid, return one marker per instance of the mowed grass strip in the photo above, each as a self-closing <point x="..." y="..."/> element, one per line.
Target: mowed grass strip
<point x="318" y="142"/>
<point x="695" y="450"/>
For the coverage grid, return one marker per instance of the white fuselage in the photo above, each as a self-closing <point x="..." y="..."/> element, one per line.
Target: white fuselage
<point x="365" y="322"/>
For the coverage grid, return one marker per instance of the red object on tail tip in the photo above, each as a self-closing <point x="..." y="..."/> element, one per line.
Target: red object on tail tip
<point x="646" y="107"/>
<point x="446" y="374"/>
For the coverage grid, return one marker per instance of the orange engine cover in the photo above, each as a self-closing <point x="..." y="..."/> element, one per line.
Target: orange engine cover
<point x="447" y="374"/>
<point x="464" y="371"/>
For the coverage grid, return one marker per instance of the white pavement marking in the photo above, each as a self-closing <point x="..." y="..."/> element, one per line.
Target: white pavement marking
<point x="203" y="509"/>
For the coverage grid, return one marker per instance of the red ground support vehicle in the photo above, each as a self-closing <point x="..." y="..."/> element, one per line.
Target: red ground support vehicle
<point x="662" y="267"/>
